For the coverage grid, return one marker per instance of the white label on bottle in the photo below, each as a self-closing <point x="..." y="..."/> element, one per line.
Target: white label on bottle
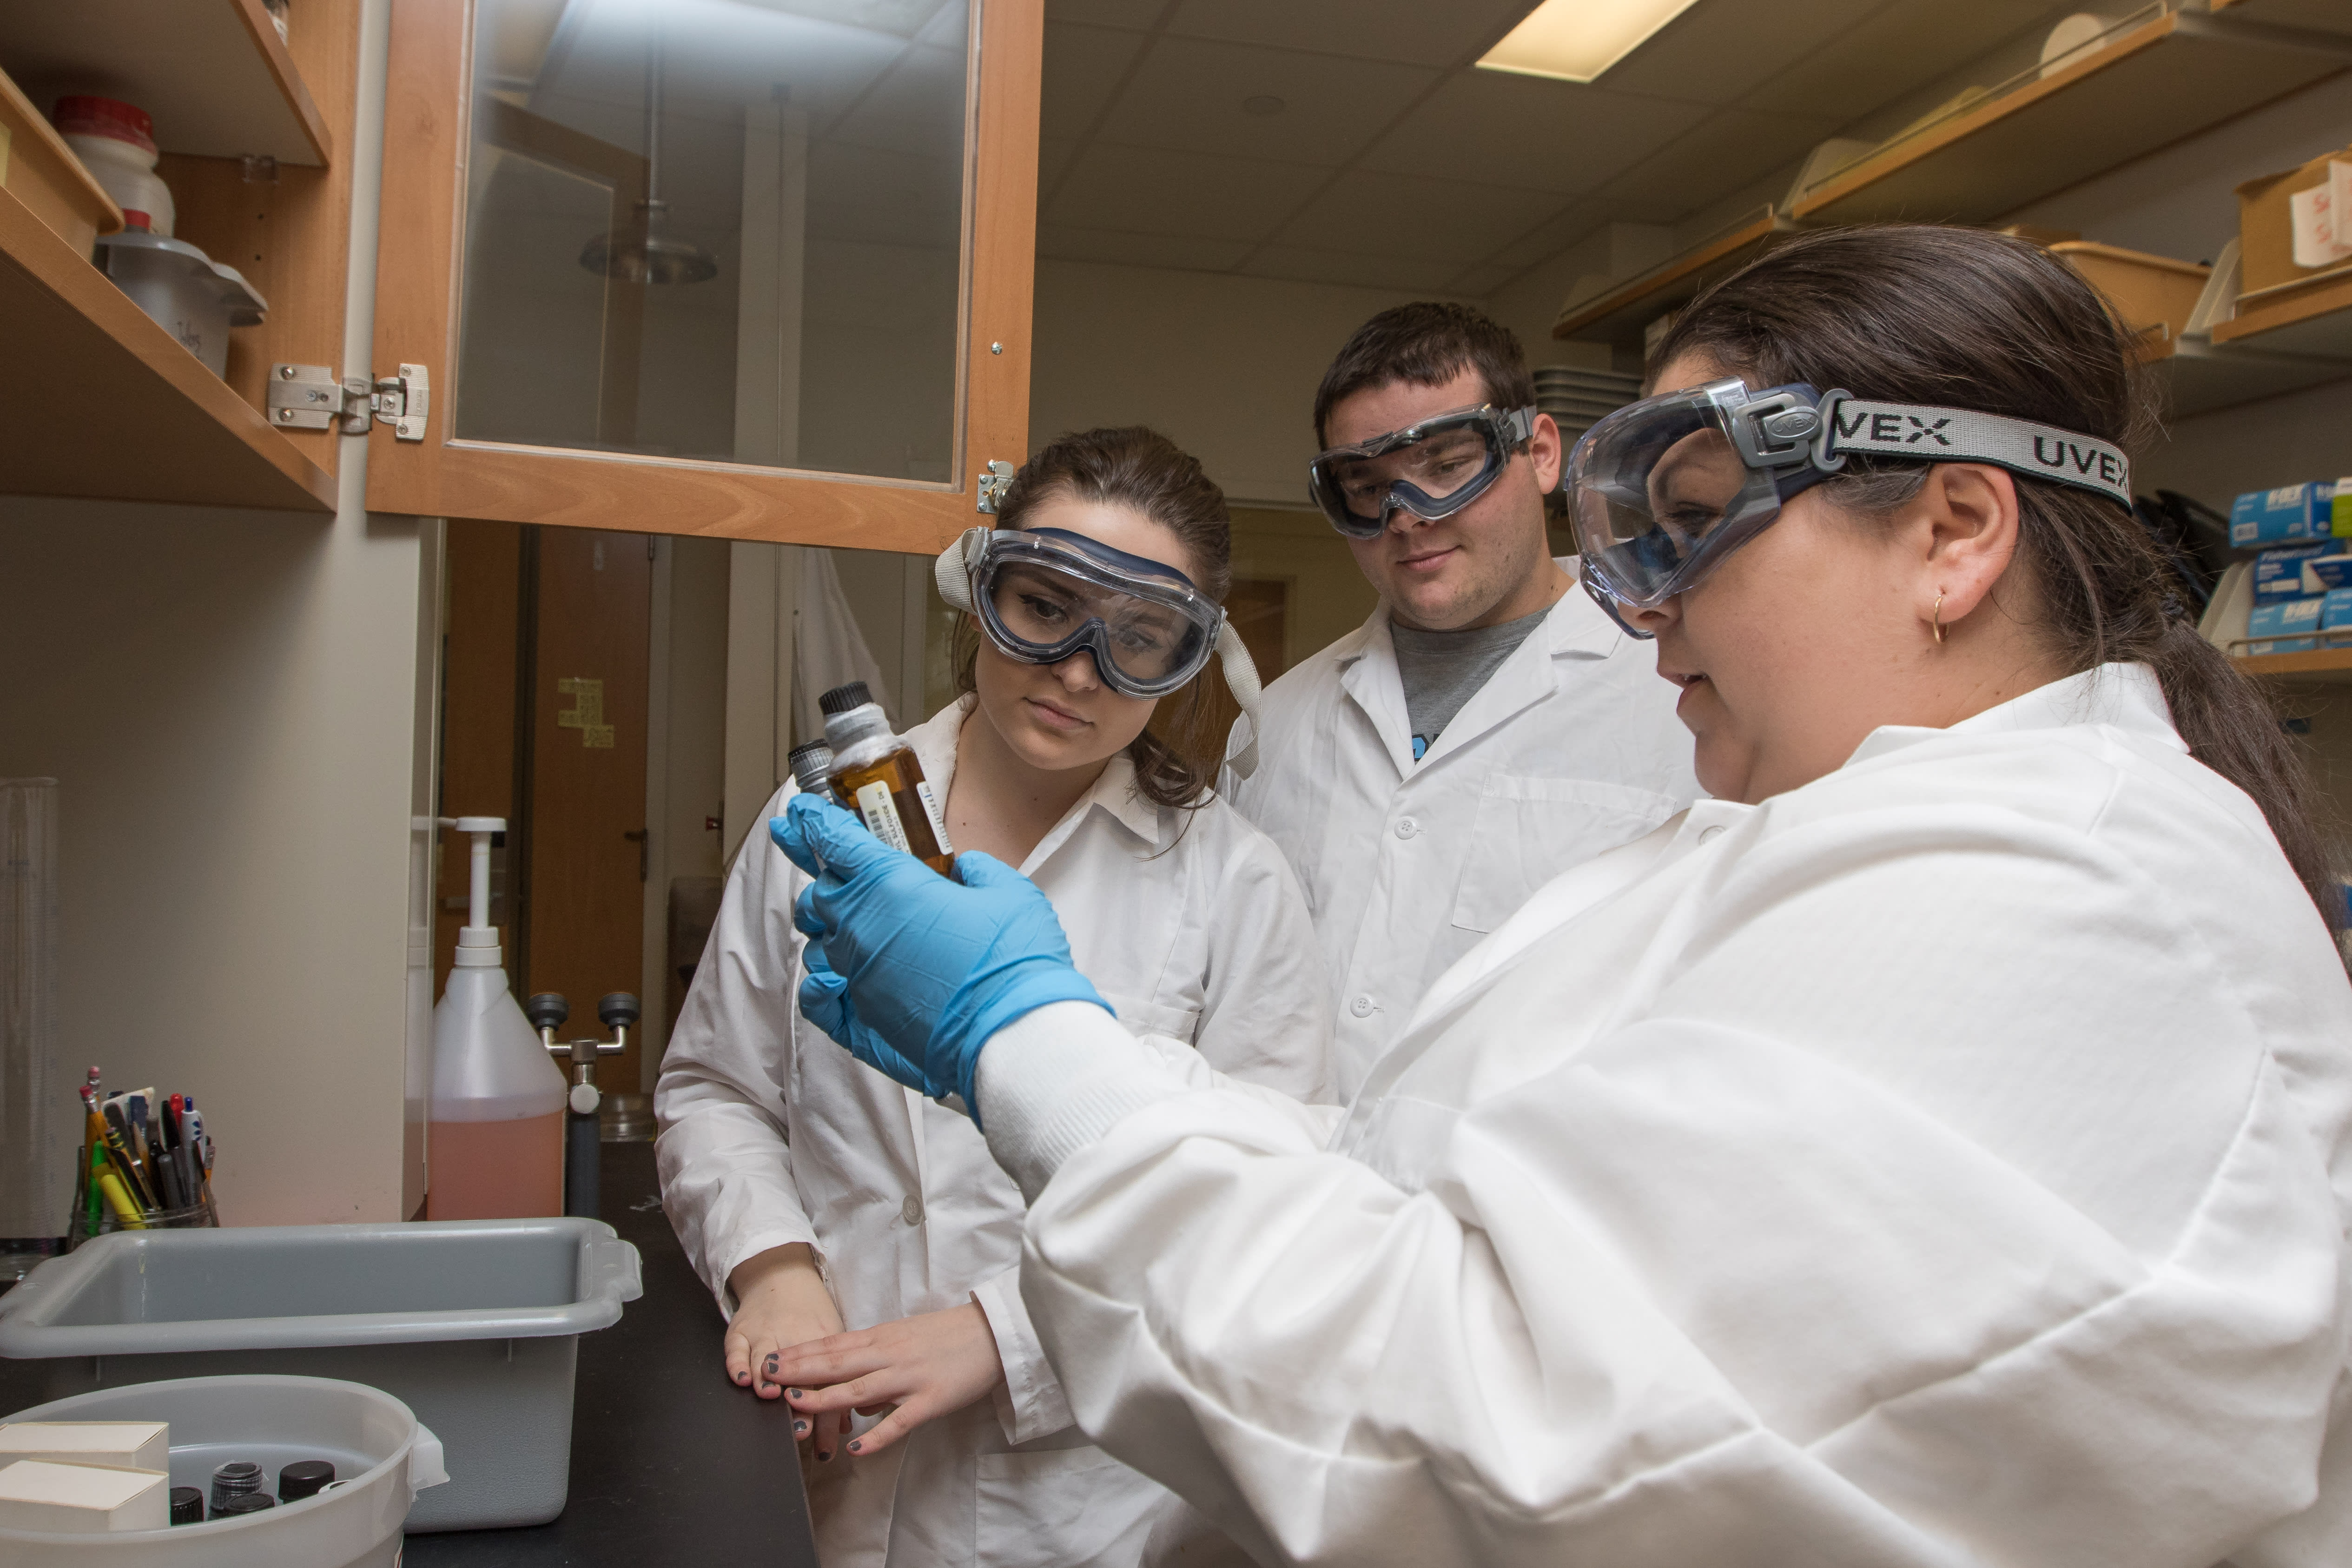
<point x="931" y="810"/>
<point x="881" y="814"/>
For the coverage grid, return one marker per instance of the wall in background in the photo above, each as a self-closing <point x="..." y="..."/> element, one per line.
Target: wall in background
<point x="226" y="699"/>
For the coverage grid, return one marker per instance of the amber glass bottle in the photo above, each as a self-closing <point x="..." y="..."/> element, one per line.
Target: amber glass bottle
<point x="875" y="775"/>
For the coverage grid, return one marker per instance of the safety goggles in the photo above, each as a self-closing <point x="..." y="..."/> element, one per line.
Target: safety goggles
<point x="1043" y="594"/>
<point x="1663" y="491"/>
<point x="1431" y="469"/>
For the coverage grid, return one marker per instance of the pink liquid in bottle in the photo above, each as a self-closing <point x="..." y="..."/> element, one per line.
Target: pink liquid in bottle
<point x="511" y="1169"/>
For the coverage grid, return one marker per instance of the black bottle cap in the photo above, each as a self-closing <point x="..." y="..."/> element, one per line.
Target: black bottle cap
<point x="807" y="749"/>
<point x="187" y="1505"/>
<point x="245" y="1502"/>
<point x="302" y="1478"/>
<point x="842" y="699"/>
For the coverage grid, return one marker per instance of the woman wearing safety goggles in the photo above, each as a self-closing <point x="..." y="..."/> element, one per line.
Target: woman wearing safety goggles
<point x="1094" y="599"/>
<point x="1936" y="1148"/>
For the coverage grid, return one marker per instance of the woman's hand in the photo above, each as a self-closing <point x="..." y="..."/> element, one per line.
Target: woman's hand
<point x="927" y="1365"/>
<point x="781" y="1301"/>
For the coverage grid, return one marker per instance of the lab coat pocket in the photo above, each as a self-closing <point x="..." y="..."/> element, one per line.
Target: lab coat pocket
<point x="1061" y="1506"/>
<point x="1528" y="830"/>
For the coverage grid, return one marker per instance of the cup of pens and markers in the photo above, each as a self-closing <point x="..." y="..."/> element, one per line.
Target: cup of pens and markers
<point x="146" y="1164"/>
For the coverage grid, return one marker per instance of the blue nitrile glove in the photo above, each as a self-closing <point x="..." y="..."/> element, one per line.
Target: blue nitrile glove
<point x="919" y="971"/>
<point x="824" y="1002"/>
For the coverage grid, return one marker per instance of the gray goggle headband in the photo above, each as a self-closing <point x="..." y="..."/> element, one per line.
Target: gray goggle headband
<point x="1663" y="491"/>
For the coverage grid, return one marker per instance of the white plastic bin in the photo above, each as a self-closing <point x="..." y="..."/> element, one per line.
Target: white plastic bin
<point x="473" y="1324"/>
<point x="372" y="1439"/>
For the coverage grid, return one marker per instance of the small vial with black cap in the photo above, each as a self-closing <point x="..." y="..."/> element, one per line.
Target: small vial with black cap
<point x="238" y="1478"/>
<point x="303" y="1477"/>
<point x="187" y="1505"/>
<point x="812" y="765"/>
<point x="876" y="774"/>
<point x="243" y="1504"/>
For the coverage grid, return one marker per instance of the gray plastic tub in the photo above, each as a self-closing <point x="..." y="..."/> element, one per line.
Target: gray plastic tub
<point x="473" y="1324"/>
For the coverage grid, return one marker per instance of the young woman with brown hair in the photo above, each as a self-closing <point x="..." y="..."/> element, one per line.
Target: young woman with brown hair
<point x="813" y="1195"/>
<point x="1936" y="1148"/>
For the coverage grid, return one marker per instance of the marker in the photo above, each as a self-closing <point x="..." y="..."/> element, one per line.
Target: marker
<point x="120" y="1201"/>
<point x="118" y="1145"/>
<point x="93" y="1152"/>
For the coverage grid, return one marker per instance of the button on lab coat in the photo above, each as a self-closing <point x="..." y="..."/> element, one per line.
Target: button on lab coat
<point x="1944" y="1163"/>
<point x="1570" y="748"/>
<point x="1191" y="927"/>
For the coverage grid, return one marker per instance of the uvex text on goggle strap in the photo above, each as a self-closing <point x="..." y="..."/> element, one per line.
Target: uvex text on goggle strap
<point x="1663" y="491"/>
<point x="1431" y="469"/>
<point x="1042" y="595"/>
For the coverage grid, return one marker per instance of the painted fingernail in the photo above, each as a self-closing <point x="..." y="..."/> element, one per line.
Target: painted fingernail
<point x="772" y="1365"/>
<point x="824" y="1458"/>
<point x="856" y="1445"/>
<point x="800" y="1428"/>
<point x="796" y="1393"/>
<point x="742" y="1377"/>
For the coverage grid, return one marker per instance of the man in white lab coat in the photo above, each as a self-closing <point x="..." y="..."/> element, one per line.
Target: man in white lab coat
<point x="1488" y="727"/>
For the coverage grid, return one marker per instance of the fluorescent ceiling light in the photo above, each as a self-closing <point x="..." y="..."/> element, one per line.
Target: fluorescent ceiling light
<point x="1577" y="40"/>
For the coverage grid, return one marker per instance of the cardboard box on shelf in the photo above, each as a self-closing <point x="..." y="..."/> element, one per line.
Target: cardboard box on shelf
<point x="2266" y="236"/>
<point x="2287" y="571"/>
<point x="2147" y="290"/>
<point x="2269" y="627"/>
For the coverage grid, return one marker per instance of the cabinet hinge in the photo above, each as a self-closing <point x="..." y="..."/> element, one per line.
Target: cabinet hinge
<point x="994" y="481"/>
<point x="311" y="397"/>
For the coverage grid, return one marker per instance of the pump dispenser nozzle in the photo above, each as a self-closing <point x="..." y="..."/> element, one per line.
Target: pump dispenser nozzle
<point x="478" y="941"/>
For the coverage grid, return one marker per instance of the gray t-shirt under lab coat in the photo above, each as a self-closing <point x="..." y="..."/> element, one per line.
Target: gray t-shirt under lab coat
<point x="1443" y="670"/>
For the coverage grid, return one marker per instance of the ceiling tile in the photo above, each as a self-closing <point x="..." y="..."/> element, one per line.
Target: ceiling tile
<point x="1428" y="220"/>
<point x="1483" y="278"/>
<point x="1732" y="148"/>
<point x="1193" y="252"/>
<point x="1349" y="266"/>
<point x="1719" y="49"/>
<point x="1518" y="131"/>
<point x="916" y="106"/>
<point x="1903" y="46"/>
<point x="1136" y="13"/>
<point x="1146" y="190"/>
<point x="1456" y="31"/>
<point x="1555" y="234"/>
<point x="1083" y="68"/>
<point x="1188" y="94"/>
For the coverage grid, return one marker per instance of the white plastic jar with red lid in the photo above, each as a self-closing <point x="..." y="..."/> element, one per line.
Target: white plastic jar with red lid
<point x="116" y="142"/>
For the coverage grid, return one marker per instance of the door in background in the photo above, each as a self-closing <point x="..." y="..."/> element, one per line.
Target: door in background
<point x="577" y="863"/>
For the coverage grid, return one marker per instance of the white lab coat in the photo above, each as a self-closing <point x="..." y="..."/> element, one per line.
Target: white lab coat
<point x="1571" y="748"/>
<point x="772" y="1134"/>
<point x="1942" y="1164"/>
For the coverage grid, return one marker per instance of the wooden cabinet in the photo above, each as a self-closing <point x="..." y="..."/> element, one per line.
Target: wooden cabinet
<point x="95" y="398"/>
<point x="838" y="216"/>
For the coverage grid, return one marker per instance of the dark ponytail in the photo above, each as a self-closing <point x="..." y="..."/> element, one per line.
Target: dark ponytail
<point x="1142" y="470"/>
<point x="1966" y="318"/>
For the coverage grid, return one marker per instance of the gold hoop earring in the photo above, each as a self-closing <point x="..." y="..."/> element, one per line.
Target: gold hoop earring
<point x="1938" y="617"/>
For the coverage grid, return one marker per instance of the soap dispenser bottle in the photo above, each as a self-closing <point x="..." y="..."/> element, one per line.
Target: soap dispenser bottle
<point x="495" y="1149"/>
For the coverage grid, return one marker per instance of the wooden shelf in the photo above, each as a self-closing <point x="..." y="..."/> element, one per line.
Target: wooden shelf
<point x="213" y="74"/>
<point x="2169" y="79"/>
<point x="2332" y="665"/>
<point x="1619" y="315"/>
<point x="96" y="400"/>
<point x="2201" y="375"/>
<point x="2314" y="317"/>
<point x="2327" y="16"/>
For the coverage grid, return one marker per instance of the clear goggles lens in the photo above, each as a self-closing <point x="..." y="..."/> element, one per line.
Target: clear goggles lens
<point x="1044" y="595"/>
<point x="1662" y="491"/>
<point x="1431" y="469"/>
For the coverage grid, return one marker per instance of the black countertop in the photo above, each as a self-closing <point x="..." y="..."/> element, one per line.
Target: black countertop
<point x="671" y="1463"/>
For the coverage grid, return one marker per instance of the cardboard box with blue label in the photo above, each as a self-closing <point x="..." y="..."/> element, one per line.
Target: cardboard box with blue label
<point x="2271" y="628"/>
<point x="2292" y="571"/>
<point x="2291" y="514"/>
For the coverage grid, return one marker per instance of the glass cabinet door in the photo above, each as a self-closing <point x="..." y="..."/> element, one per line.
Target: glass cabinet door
<point x="757" y="268"/>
